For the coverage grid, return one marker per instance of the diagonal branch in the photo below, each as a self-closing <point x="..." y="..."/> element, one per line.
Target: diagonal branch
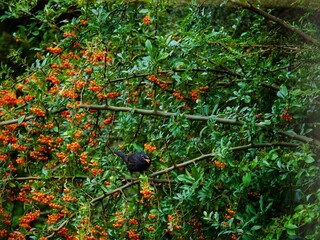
<point x="301" y="138"/>
<point x="277" y="20"/>
<point x="169" y="169"/>
<point x="161" y="172"/>
<point x="54" y="230"/>
<point x="202" y="157"/>
<point x="192" y="161"/>
<point x="114" y="191"/>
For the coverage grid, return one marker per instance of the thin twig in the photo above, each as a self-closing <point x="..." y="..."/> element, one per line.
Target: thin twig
<point x="290" y="47"/>
<point x="115" y="190"/>
<point x="60" y="226"/>
<point x="138" y="128"/>
<point x="227" y="71"/>
<point x="154" y="180"/>
<point x="273" y="87"/>
<point x="129" y="77"/>
<point x="260" y="145"/>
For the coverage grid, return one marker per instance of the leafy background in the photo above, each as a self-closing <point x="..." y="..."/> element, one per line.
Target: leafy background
<point x="224" y="100"/>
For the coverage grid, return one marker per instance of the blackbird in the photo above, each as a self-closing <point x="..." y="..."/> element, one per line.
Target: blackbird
<point x="136" y="162"/>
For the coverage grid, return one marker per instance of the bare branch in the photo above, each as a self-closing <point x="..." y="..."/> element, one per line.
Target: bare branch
<point x="176" y="70"/>
<point x="170" y="114"/>
<point x="301" y="138"/>
<point x="228" y="72"/>
<point x="288" y="47"/>
<point x="261" y="145"/>
<point x="27" y="118"/>
<point x="115" y="190"/>
<point x="60" y="226"/>
<point x="169" y="169"/>
<point x="40" y="178"/>
<point x="13" y="121"/>
<point x="162" y="113"/>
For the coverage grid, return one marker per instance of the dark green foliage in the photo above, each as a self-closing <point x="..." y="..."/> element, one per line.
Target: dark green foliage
<point x="225" y="103"/>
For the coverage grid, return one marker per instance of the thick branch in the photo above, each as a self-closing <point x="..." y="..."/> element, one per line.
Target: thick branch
<point x="162" y="113"/>
<point x="170" y="114"/>
<point x="40" y="178"/>
<point x="176" y="70"/>
<point x="13" y="121"/>
<point x="277" y="20"/>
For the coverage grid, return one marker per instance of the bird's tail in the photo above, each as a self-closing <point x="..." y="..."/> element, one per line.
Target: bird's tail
<point x="121" y="154"/>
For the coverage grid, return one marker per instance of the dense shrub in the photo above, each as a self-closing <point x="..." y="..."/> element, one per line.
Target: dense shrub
<point x="224" y="102"/>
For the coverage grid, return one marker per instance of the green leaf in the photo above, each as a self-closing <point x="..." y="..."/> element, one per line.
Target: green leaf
<point x="256" y="227"/>
<point x="250" y="209"/>
<point x="247" y="99"/>
<point x="299" y="208"/>
<point x="261" y="202"/>
<point x="137" y="147"/>
<point x="279" y="164"/>
<point x="291" y="226"/>
<point x="163" y="56"/>
<point x="149" y="46"/>
<point x="246" y="179"/>
<point x="186" y="179"/>
<point x="283" y="91"/>
<point x="21" y="119"/>
<point x="309" y="159"/>
<point x="144" y="11"/>
<point x="291" y="232"/>
<point x="216" y="216"/>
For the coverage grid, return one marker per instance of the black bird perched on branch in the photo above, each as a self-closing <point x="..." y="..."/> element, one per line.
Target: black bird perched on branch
<point x="136" y="162"/>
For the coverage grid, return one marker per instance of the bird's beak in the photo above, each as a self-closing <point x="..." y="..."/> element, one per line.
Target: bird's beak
<point x="147" y="160"/>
